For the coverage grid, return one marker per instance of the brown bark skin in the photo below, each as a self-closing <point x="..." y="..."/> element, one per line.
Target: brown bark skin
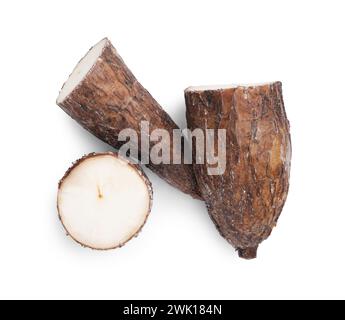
<point x="139" y="171"/>
<point x="246" y="201"/>
<point x="110" y="99"/>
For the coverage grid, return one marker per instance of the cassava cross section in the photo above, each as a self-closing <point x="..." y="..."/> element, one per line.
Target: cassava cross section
<point x="104" y="201"/>
<point x="104" y="97"/>
<point x="246" y="201"/>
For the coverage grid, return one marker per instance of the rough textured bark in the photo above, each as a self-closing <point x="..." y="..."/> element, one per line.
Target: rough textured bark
<point x="246" y="201"/>
<point x="110" y="99"/>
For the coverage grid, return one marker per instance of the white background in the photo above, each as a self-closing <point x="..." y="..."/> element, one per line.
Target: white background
<point x="170" y="45"/>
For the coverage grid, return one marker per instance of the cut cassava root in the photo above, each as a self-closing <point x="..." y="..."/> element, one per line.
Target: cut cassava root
<point x="245" y="202"/>
<point x="104" y="97"/>
<point x="104" y="201"/>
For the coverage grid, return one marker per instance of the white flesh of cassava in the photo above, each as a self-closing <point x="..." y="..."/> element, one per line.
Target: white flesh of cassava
<point x="103" y="201"/>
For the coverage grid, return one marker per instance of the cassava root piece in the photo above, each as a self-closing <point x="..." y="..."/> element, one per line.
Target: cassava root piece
<point x="246" y="201"/>
<point x="104" y="97"/>
<point x="104" y="201"/>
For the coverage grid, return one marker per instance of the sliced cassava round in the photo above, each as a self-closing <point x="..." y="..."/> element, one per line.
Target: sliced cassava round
<point x="104" y="201"/>
<point x="246" y="200"/>
<point x="104" y="97"/>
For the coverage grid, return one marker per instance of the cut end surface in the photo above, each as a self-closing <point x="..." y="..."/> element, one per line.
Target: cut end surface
<point x="224" y="87"/>
<point x="82" y="69"/>
<point x="104" y="201"/>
